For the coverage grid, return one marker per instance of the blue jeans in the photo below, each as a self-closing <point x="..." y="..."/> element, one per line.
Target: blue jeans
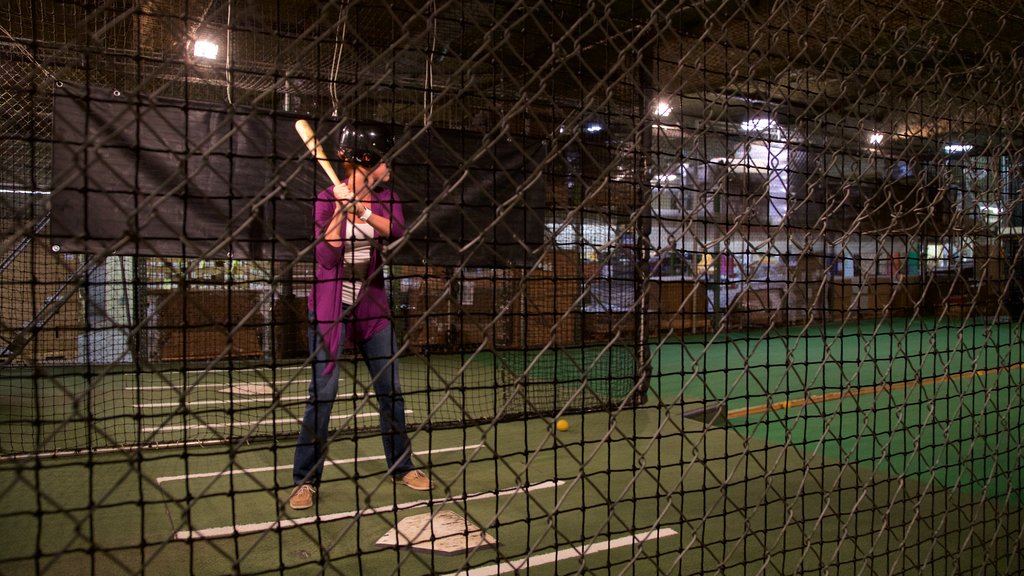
<point x="314" y="439"/>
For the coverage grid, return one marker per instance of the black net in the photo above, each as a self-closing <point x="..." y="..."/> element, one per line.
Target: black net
<point x="706" y="287"/>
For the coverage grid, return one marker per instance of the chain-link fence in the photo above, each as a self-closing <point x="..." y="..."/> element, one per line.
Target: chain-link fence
<point x="762" y="258"/>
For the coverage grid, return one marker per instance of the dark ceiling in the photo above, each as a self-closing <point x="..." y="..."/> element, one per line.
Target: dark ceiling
<point x="911" y="68"/>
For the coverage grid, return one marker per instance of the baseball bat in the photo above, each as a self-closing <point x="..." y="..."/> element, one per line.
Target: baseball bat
<point x="313" y="145"/>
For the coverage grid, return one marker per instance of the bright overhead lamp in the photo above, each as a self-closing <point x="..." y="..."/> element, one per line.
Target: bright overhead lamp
<point x="876" y="138"/>
<point x="662" y="108"/>
<point x="957" y="148"/>
<point x="206" y="49"/>
<point x="757" y="124"/>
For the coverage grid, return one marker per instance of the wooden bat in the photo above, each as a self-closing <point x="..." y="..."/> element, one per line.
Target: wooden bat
<point x="313" y="145"/>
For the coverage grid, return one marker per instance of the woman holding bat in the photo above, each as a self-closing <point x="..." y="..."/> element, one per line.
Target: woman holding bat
<point x="353" y="219"/>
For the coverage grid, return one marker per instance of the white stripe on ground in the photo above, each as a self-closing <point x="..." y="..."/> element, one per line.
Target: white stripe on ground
<point x="565" y="554"/>
<point x="233" y="471"/>
<point x="284" y="524"/>
<point x="122" y="449"/>
<point x="178" y="386"/>
<point x="259" y="369"/>
<point x="238" y="399"/>
<point x="215" y="425"/>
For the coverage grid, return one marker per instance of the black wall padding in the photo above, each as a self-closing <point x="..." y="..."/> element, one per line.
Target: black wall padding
<point x="162" y="177"/>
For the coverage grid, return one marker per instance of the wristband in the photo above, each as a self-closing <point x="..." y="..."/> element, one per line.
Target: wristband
<point x="365" y="216"/>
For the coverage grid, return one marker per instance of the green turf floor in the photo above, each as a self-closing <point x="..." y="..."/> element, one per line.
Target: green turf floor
<point x="954" y="418"/>
<point x="919" y="479"/>
<point x="733" y="503"/>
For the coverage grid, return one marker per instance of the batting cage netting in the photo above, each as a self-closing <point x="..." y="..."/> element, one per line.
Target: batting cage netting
<point x="622" y="287"/>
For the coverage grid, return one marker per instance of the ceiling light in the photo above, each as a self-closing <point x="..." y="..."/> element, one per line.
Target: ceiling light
<point x="206" y="49"/>
<point x="956" y="148"/>
<point x="593" y="128"/>
<point x="876" y="138"/>
<point x="662" y="108"/>
<point x="757" y="124"/>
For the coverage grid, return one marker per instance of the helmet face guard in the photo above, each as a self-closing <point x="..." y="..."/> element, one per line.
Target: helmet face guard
<point x="365" y="143"/>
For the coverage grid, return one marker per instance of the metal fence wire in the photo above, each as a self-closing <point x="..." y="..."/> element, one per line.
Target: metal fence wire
<point x="762" y="258"/>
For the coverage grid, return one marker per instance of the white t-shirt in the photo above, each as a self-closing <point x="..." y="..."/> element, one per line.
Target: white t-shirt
<point x="358" y="245"/>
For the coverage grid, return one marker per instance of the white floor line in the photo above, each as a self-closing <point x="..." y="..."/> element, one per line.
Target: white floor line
<point x="229" y="370"/>
<point x="565" y="554"/>
<point x="238" y="399"/>
<point x="178" y="386"/>
<point x="175" y="387"/>
<point x="112" y="449"/>
<point x="233" y="471"/>
<point x="216" y="425"/>
<point x="284" y="524"/>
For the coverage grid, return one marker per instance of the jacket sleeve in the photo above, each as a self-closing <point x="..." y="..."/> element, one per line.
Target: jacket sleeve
<point x="327" y="256"/>
<point x="394" y="206"/>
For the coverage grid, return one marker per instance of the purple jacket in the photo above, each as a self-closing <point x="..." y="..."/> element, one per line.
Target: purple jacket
<point x="372" y="311"/>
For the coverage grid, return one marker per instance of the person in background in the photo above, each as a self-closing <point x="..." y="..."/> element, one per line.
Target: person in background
<point x="353" y="220"/>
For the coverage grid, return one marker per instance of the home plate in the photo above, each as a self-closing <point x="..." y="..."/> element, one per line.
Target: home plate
<point x="443" y="533"/>
<point x="248" y="389"/>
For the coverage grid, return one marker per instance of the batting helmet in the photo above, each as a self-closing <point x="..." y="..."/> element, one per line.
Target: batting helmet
<point x="365" y="143"/>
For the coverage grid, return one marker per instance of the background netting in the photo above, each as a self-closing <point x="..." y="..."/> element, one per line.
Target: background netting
<point x="764" y="256"/>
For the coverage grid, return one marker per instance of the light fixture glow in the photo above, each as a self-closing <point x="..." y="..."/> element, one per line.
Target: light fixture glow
<point x="757" y="124"/>
<point x="662" y="108"/>
<point x="206" y="49"/>
<point x="593" y="128"/>
<point x="956" y="148"/>
<point x="876" y="138"/>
